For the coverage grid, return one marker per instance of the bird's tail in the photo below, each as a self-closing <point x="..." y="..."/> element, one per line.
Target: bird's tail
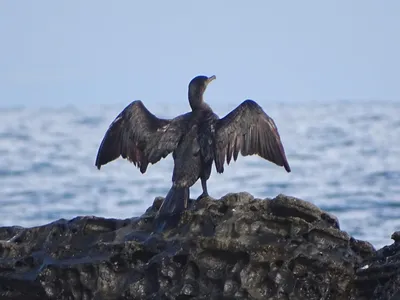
<point x="175" y="202"/>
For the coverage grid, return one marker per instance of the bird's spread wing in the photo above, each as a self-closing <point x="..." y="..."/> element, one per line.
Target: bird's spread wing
<point x="139" y="136"/>
<point x="248" y="130"/>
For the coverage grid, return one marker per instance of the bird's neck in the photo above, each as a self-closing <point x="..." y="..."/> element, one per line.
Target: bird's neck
<point x="196" y="102"/>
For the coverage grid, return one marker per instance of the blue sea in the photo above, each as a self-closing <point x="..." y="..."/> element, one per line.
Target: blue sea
<point x="345" y="158"/>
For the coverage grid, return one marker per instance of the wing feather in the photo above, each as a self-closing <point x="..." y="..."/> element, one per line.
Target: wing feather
<point x="248" y="130"/>
<point x="140" y="137"/>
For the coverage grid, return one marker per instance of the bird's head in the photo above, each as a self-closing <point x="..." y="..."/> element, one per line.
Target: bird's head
<point x="198" y="85"/>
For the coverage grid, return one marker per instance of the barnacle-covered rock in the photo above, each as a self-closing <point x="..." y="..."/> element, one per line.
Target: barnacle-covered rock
<point x="237" y="247"/>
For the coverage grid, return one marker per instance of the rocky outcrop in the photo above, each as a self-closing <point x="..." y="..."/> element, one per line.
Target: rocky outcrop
<point x="237" y="247"/>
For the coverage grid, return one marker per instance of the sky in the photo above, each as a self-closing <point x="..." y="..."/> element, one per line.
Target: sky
<point x="56" y="53"/>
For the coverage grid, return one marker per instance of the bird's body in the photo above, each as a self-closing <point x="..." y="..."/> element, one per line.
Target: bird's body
<point x="195" y="139"/>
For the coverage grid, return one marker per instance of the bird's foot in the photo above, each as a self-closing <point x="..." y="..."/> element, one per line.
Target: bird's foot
<point x="203" y="195"/>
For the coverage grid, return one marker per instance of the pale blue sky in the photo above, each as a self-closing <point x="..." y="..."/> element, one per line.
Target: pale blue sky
<point x="86" y="52"/>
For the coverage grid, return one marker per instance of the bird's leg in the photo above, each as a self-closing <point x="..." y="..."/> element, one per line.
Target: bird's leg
<point x="204" y="186"/>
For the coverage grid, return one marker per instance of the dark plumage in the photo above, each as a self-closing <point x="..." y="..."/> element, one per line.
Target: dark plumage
<point x="196" y="139"/>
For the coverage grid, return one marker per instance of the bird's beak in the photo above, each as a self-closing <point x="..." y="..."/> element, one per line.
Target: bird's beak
<point x="211" y="78"/>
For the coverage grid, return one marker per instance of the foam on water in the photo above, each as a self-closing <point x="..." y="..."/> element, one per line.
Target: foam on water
<point x="344" y="158"/>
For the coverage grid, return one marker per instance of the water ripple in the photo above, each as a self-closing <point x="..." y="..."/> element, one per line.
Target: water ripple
<point x="344" y="158"/>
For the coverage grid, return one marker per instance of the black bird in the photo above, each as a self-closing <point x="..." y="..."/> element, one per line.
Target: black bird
<point x="196" y="139"/>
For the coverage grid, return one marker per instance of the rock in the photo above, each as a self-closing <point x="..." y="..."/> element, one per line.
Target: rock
<point x="237" y="247"/>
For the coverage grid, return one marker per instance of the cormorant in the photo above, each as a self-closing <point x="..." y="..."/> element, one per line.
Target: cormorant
<point x="196" y="139"/>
